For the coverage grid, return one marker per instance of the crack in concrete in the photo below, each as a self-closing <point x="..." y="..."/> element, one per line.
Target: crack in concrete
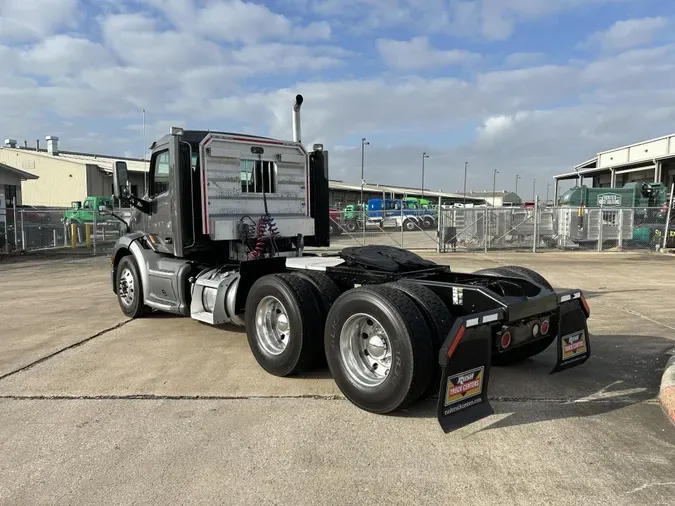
<point x="633" y="312"/>
<point x="61" y="350"/>
<point x="160" y="397"/>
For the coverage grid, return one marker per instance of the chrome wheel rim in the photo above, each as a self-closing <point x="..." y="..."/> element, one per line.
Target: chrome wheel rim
<point x="272" y="325"/>
<point x="126" y="288"/>
<point x="365" y="350"/>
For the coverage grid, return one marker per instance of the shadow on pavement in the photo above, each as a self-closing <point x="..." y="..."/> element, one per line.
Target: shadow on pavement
<point x="622" y="371"/>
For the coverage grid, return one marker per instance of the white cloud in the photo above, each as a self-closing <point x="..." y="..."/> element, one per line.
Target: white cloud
<point x="523" y="59"/>
<point x="417" y="54"/>
<point x="29" y="20"/>
<point x="628" y="34"/>
<point x="237" y="21"/>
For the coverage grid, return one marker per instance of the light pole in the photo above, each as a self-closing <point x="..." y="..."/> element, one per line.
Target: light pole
<point x="494" y="186"/>
<point x="517" y="178"/>
<point x="466" y="164"/>
<point x="364" y="143"/>
<point x="548" y="186"/>
<point x="424" y="155"/>
<point x="534" y="188"/>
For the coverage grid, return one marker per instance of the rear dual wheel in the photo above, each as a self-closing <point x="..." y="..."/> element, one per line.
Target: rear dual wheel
<point x="379" y="348"/>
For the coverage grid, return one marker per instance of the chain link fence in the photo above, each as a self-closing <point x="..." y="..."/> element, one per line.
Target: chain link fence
<point x="409" y="229"/>
<point x="49" y="230"/>
<point x="482" y="229"/>
<point x="545" y="228"/>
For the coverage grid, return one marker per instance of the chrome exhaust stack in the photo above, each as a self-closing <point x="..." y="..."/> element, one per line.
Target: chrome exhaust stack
<point x="296" y="118"/>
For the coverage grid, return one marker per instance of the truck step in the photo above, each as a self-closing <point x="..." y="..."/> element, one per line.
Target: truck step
<point x="203" y="316"/>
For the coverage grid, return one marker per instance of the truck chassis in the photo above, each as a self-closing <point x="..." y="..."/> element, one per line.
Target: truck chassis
<point x="392" y="327"/>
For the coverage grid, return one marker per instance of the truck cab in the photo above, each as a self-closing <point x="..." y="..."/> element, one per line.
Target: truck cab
<point x="88" y="210"/>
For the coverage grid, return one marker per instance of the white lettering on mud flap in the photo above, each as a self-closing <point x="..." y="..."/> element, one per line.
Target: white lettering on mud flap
<point x="464" y="385"/>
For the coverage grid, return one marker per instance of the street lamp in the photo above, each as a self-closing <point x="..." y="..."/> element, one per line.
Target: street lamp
<point x="494" y="186"/>
<point x="466" y="164"/>
<point x="424" y="155"/>
<point x="517" y="178"/>
<point x="364" y="143"/>
<point x="534" y="188"/>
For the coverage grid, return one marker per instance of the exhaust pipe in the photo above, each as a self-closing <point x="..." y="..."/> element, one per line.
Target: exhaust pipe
<point x="296" y="118"/>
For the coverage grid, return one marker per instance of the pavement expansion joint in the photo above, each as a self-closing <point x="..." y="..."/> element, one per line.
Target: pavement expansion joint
<point x="61" y="350"/>
<point x="157" y="397"/>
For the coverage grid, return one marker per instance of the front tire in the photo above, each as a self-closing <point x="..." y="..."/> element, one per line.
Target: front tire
<point x="379" y="348"/>
<point x="282" y="317"/>
<point x="129" y="288"/>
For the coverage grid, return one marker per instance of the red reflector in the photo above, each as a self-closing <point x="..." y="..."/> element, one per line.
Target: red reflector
<point x="544" y="327"/>
<point x="583" y="301"/>
<point x="455" y="341"/>
<point x="506" y="339"/>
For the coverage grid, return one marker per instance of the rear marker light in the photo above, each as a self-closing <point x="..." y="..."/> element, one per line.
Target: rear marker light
<point x="506" y="339"/>
<point x="544" y="327"/>
<point x="535" y="330"/>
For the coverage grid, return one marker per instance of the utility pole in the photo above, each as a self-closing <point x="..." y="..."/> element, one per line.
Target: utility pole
<point x="424" y="155"/>
<point x="466" y="164"/>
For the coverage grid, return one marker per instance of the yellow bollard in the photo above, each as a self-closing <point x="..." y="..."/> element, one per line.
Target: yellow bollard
<point x="73" y="235"/>
<point x="87" y="234"/>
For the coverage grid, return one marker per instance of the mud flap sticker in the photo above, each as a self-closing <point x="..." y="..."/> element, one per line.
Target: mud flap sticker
<point x="573" y="342"/>
<point x="462" y="398"/>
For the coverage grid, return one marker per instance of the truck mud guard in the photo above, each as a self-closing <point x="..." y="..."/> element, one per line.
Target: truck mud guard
<point x="466" y="356"/>
<point x="573" y="343"/>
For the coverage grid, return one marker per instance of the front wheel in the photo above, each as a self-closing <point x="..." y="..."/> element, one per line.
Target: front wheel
<point x="130" y="289"/>
<point x="409" y="225"/>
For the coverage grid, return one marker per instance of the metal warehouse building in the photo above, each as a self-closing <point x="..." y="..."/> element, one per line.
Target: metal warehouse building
<point x="343" y="194"/>
<point x="61" y="177"/>
<point x="651" y="161"/>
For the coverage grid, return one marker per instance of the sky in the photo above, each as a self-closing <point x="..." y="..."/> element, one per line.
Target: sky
<point x="527" y="87"/>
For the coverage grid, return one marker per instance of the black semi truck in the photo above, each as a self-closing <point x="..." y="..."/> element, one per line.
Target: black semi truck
<point x="220" y="237"/>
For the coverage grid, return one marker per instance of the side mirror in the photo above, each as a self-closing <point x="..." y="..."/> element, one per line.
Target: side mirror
<point x="120" y="180"/>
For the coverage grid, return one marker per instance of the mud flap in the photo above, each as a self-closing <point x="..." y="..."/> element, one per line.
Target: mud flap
<point x="465" y="358"/>
<point x="573" y="342"/>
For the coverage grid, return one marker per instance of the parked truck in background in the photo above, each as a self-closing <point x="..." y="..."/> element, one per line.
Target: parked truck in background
<point x="391" y="326"/>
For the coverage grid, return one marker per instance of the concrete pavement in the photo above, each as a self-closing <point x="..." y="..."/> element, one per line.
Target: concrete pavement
<point x="169" y="410"/>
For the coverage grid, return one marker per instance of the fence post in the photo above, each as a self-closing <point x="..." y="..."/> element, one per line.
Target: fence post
<point x="620" y="243"/>
<point x="54" y="237"/>
<point x="535" y="228"/>
<point x="438" y="227"/>
<point x="670" y="207"/>
<point x="485" y="231"/>
<point x="600" y="228"/>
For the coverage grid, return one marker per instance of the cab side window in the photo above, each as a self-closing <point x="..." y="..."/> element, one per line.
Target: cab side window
<point x="160" y="173"/>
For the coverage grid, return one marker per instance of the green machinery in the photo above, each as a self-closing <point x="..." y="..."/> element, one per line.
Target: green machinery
<point x="636" y="212"/>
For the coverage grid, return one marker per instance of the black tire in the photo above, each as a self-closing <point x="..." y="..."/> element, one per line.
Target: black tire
<point x="438" y="319"/>
<point x="351" y="226"/>
<point x="409" y="225"/>
<point x="136" y="307"/>
<point x="325" y="289"/>
<point x="429" y="222"/>
<point x="304" y="347"/>
<point x="410" y="339"/>
<point x="526" y="273"/>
